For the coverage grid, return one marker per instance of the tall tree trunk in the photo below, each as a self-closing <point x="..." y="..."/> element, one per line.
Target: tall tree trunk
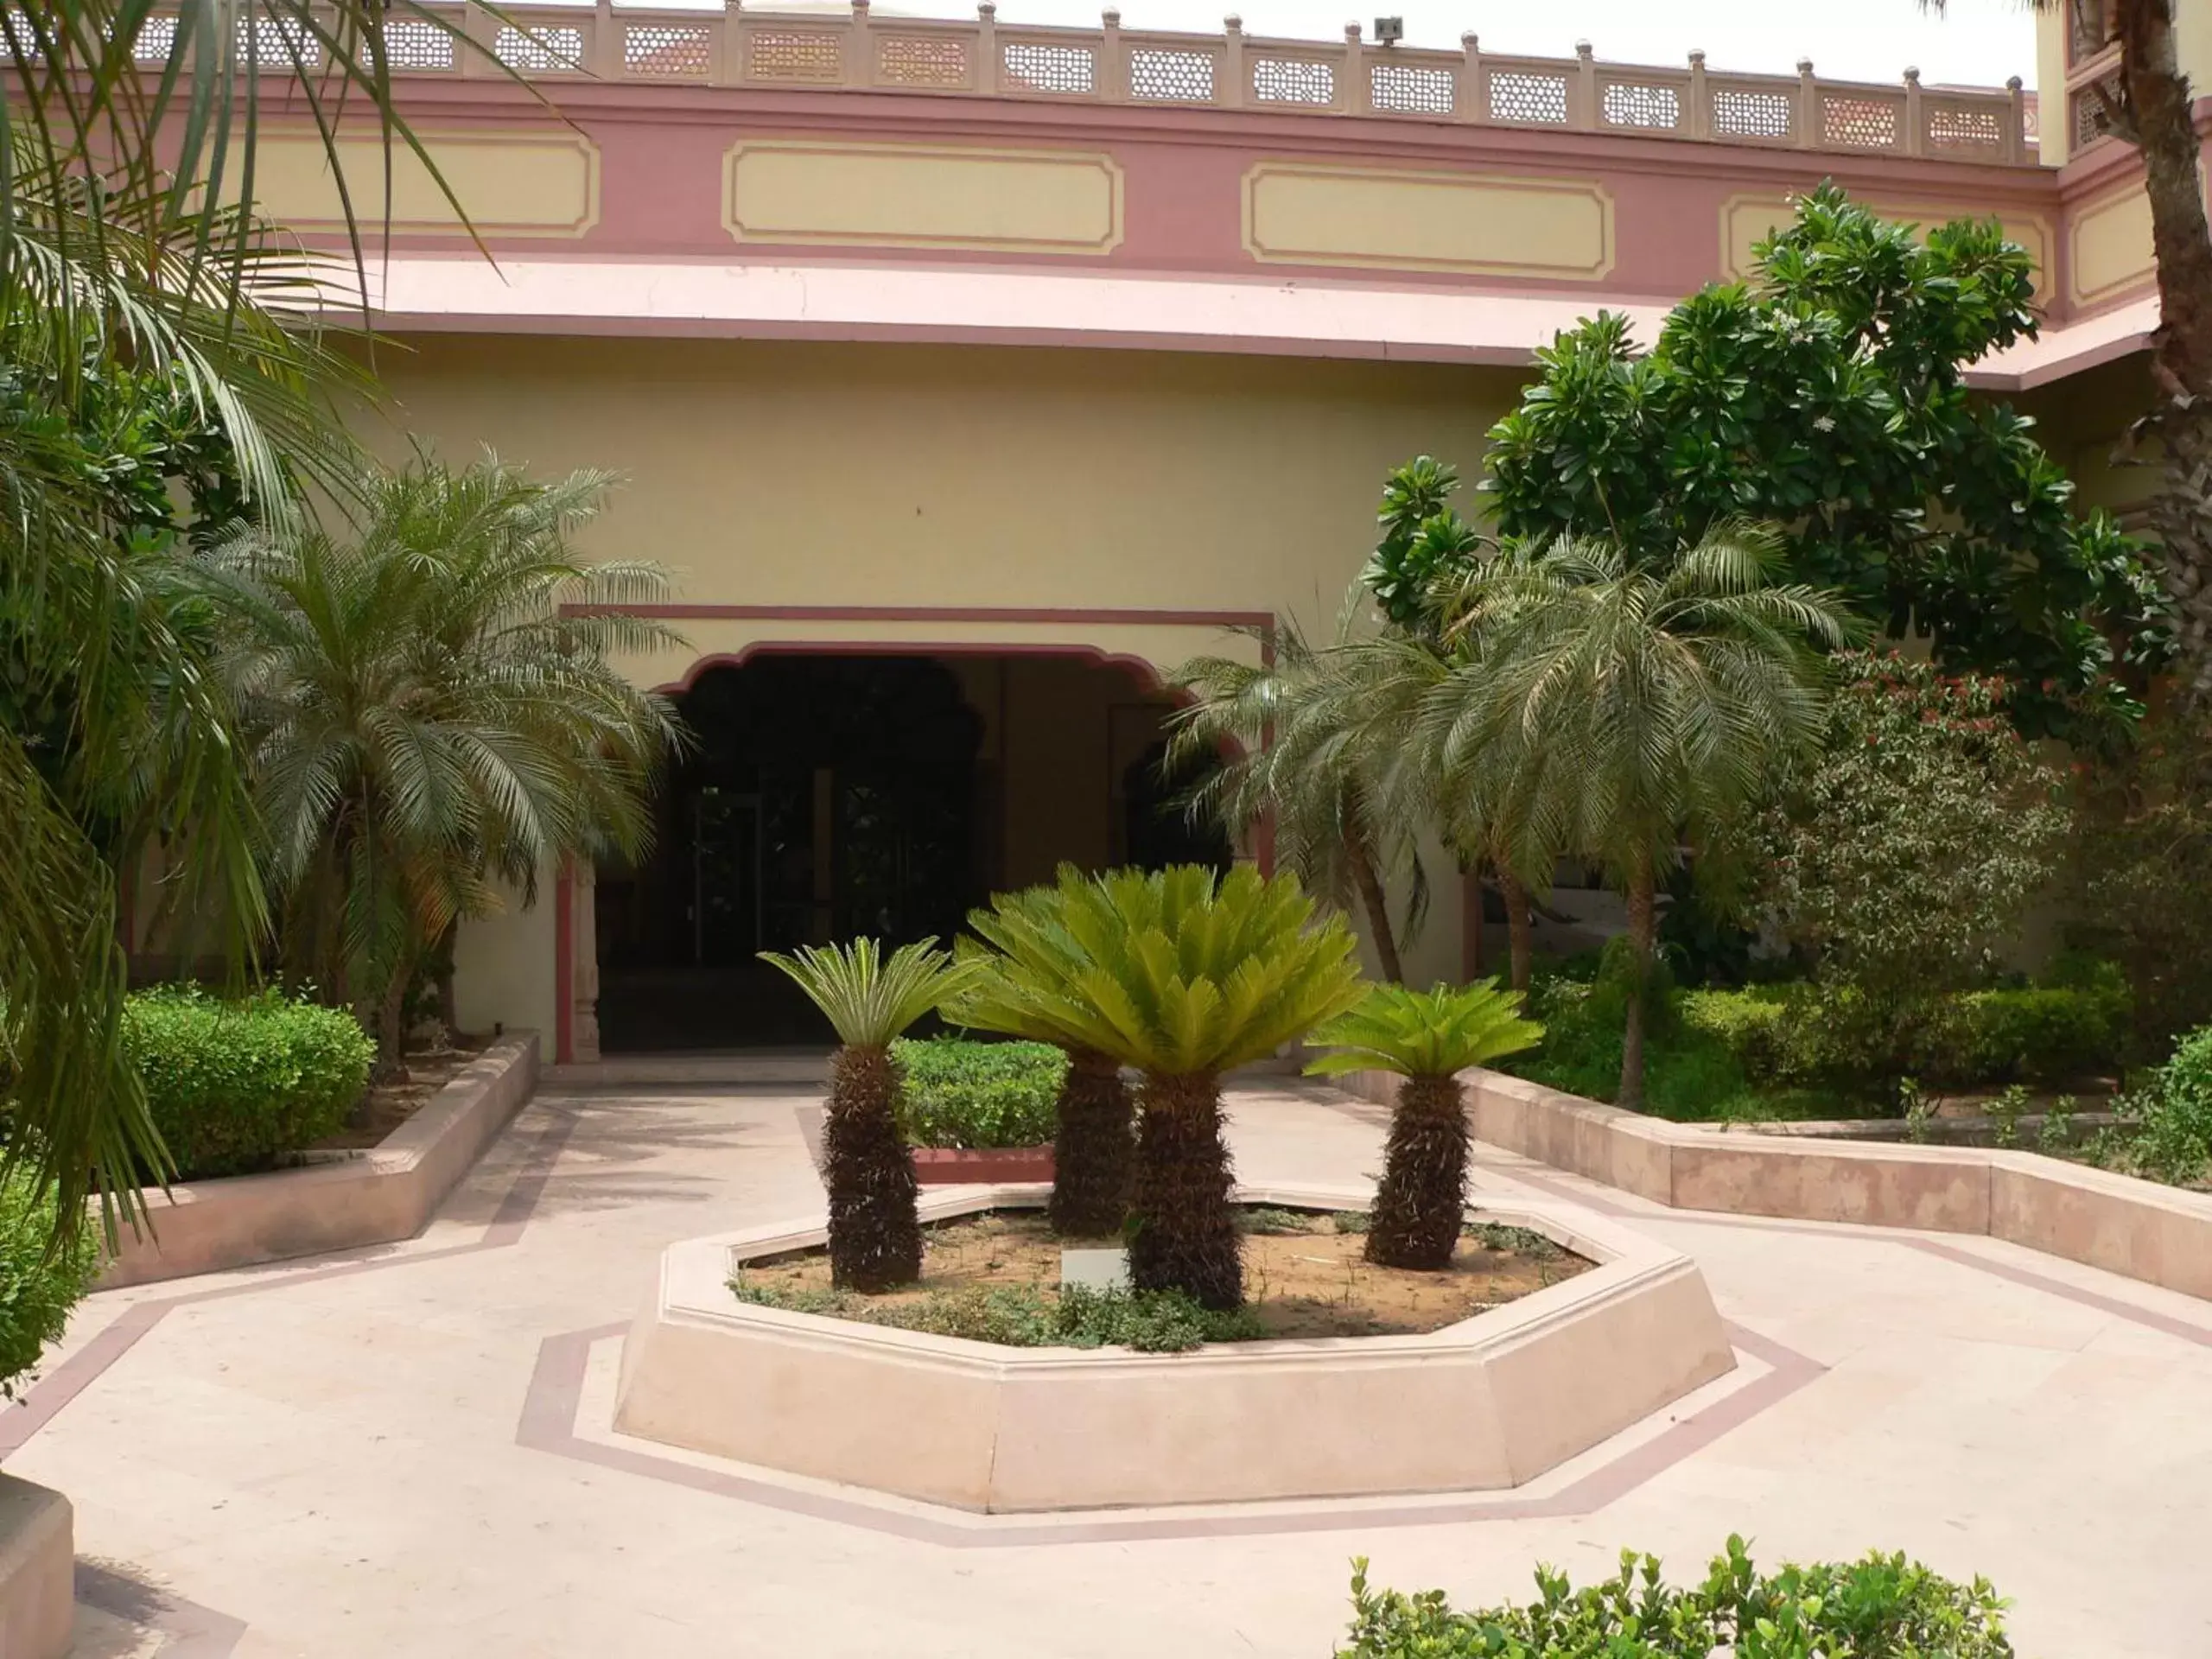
<point x="1094" y="1150"/>
<point x="1186" y="1238"/>
<point x="447" y="1001"/>
<point x="391" y="1030"/>
<point x="876" y="1236"/>
<point x="1471" y="919"/>
<point x="1520" y="927"/>
<point x="1421" y="1199"/>
<point x="2165" y="130"/>
<point x="1643" y="932"/>
<point x="1377" y="903"/>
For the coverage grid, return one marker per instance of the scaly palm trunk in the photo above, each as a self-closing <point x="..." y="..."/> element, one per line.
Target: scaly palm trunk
<point x="1377" y="903"/>
<point x="1422" y="1198"/>
<point x="1520" y="928"/>
<point x="1643" y="933"/>
<point x="875" y="1237"/>
<point x="1186" y="1238"/>
<point x="2164" y="128"/>
<point x="1094" y="1148"/>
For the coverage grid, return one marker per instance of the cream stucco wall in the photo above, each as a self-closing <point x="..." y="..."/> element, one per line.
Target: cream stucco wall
<point x="503" y="969"/>
<point x="1038" y="484"/>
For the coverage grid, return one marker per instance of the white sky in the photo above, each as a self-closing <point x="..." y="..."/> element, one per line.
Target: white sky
<point x="1979" y="42"/>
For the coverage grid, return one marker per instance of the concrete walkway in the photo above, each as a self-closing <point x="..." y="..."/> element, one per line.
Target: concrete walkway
<point x="405" y="1453"/>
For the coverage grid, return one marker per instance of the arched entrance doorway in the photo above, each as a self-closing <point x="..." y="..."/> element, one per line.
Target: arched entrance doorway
<point x="831" y="794"/>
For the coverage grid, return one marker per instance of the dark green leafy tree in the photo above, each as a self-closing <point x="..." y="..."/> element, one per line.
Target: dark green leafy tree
<point x="1828" y="397"/>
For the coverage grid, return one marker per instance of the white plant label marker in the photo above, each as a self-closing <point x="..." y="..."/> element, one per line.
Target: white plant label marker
<point x="1095" y="1269"/>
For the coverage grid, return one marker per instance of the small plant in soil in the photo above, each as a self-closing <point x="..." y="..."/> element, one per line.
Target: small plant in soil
<point x="1269" y="1219"/>
<point x="1427" y="1037"/>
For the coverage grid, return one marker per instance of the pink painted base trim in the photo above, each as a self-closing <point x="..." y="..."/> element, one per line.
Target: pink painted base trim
<point x="960" y="1166"/>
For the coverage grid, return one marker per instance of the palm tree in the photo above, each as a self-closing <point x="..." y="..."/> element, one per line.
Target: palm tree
<point x="1316" y="739"/>
<point x="875" y="1235"/>
<point x="143" y="271"/>
<point x="1184" y="975"/>
<point x="1022" y="988"/>
<point x="1427" y="1037"/>
<point x="1618" y="711"/>
<point x="430" y="711"/>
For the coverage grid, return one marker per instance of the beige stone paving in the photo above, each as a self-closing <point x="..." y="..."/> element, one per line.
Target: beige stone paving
<point x="333" y="1460"/>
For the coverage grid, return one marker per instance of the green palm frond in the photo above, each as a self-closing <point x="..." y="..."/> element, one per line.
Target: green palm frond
<point x="1177" y="972"/>
<point x="1433" y="1033"/>
<point x="870" y="998"/>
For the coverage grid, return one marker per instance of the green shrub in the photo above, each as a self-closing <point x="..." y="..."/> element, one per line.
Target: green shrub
<point x="1752" y="1024"/>
<point x="234" y="1086"/>
<point x="2046" y="1035"/>
<point x="1021" y="1316"/>
<point x="1883" y="1604"/>
<point x="2173" y="1140"/>
<point x="37" y="1289"/>
<point x="957" y="1092"/>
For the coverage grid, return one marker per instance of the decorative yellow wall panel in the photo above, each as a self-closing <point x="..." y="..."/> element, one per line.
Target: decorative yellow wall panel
<point x="922" y="196"/>
<point x="1299" y="214"/>
<point x="1745" y="219"/>
<point x="2110" y="243"/>
<point x="544" y="184"/>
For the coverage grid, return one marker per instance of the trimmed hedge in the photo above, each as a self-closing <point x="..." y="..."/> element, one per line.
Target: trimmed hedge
<point x="956" y="1092"/>
<point x="1884" y="1605"/>
<point x="37" y="1288"/>
<point x="235" y="1086"/>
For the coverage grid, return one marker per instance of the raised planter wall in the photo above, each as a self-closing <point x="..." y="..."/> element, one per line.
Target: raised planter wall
<point x="1491" y="1401"/>
<point x="958" y="1166"/>
<point x="2160" y="1235"/>
<point x="38" y="1569"/>
<point x="387" y="1193"/>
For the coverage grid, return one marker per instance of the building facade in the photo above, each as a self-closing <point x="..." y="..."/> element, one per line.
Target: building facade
<point x="975" y="375"/>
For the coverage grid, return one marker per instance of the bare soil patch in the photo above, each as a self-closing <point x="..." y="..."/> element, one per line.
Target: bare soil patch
<point x="1303" y="1275"/>
<point x="388" y="1105"/>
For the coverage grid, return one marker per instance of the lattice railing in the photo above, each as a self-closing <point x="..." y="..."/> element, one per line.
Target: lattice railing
<point x="1356" y="78"/>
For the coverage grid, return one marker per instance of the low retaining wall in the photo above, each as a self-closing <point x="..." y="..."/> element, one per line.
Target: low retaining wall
<point x="961" y="1165"/>
<point x="1489" y="1402"/>
<point x="38" y="1569"/>
<point x="388" y="1193"/>
<point x="2160" y="1235"/>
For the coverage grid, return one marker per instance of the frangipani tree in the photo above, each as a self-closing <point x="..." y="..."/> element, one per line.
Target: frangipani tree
<point x="875" y="1234"/>
<point x="1184" y="975"/>
<point x="1427" y="1037"/>
<point x="1025" y="989"/>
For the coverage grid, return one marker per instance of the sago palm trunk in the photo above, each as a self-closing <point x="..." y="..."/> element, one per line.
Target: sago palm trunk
<point x="2160" y="108"/>
<point x="875" y="1236"/>
<point x="1643" y="934"/>
<point x="1186" y="1238"/>
<point x="1093" y="1149"/>
<point x="1422" y="1198"/>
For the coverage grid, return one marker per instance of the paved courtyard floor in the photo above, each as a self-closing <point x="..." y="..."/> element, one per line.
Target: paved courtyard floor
<point x="405" y="1454"/>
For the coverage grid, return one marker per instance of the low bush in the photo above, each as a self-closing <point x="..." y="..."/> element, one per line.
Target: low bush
<point x="38" y="1286"/>
<point x="1021" y="1316"/>
<point x="957" y="1092"/>
<point x="2042" y="1034"/>
<point x="1882" y="1606"/>
<point x="2173" y="1132"/>
<point x="236" y="1085"/>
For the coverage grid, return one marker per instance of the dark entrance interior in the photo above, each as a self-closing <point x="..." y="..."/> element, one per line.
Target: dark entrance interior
<point x="830" y="795"/>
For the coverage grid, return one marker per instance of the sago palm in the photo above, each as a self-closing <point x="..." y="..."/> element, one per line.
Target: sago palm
<point x="1023" y="990"/>
<point x="1427" y="1037"/>
<point x="876" y="1236"/>
<point x="432" y="712"/>
<point x="1184" y="975"/>
<point x="1617" y="712"/>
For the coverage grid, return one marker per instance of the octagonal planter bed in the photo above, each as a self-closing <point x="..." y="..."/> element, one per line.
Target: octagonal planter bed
<point x="1490" y="1401"/>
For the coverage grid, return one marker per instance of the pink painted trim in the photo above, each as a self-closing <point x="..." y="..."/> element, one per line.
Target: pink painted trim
<point x="564" y="966"/>
<point x="959" y="1165"/>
